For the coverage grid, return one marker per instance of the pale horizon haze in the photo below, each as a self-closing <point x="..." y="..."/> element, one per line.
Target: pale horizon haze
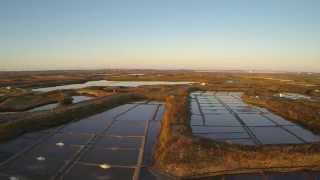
<point x="275" y="35"/>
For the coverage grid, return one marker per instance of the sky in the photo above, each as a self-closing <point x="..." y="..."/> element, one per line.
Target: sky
<point x="279" y="35"/>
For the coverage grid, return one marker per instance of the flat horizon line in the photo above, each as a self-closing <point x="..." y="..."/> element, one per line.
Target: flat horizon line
<point x="162" y="69"/>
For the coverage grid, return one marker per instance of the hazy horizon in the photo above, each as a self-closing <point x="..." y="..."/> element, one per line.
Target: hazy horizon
<point x="149" y="34"/>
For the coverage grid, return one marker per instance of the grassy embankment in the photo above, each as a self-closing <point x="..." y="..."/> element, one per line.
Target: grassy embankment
<point x="42" y="120"/>
<point x="28" y="101"/>
<point x="95" y="91"/>
<point x="181" y="154"/>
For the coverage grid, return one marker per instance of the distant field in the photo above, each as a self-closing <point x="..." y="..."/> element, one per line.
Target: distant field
<point x="179" y="152"/>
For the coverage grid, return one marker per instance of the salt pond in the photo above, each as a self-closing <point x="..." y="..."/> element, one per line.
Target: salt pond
<point x="109" y="83"/>
<point x="115" y="144"/>
<point x="44" y="107"/>
<point x="77" y="99"/>
<point x="223" y="116"/>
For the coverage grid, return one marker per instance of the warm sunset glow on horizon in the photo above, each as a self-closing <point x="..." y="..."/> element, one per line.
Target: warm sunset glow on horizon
<point x="176" y="34"/>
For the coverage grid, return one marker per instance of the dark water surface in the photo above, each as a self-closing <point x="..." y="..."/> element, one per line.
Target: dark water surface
<point x="115" y="144"/>
<point x="223" y="116"/>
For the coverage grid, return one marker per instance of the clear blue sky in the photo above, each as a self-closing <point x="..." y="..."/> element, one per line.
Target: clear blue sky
<point x="195" y="34"/>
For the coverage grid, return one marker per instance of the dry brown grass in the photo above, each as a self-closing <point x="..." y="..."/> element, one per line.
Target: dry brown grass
<point x="27" y="101"/>
<point x="94" y="92"/>
<point x="303" y="112"/>
<point x="178" y="152"/>
<point x="181" y="154"/>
